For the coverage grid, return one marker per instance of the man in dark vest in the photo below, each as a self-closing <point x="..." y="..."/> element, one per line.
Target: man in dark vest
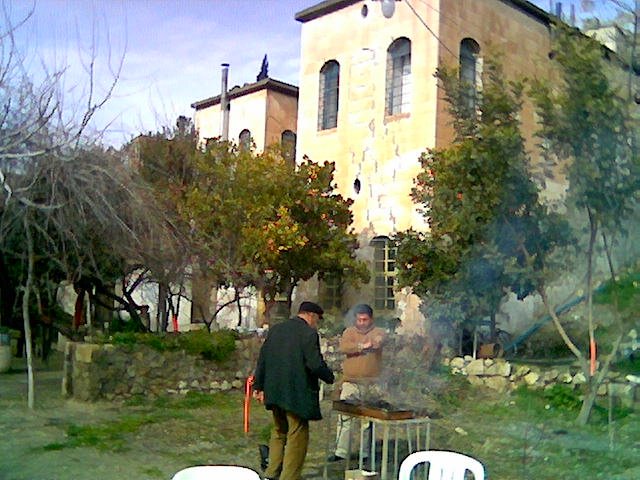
<point x="286" y="381"/>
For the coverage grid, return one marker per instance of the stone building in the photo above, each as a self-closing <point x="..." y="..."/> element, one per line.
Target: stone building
<point x="260" y="114"/>
<point x="369" y="102"/>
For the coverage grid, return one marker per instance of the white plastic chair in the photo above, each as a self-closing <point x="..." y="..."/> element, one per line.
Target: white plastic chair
<point x="216" y="472"/>
<point x="443" y="465"/>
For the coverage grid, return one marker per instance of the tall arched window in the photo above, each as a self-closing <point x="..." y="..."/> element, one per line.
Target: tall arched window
<point x="328" y="101"/>
<point x="245" y="139"/>
<point x="398" y="83"/>
<point x="288" y="141"/>
<point x="469" y="56"/>
<point x="384" y="271"/>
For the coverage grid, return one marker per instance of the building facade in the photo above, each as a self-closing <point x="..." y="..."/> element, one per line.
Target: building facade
<point x="260" y="114"/>
<point x="369" y="102"/>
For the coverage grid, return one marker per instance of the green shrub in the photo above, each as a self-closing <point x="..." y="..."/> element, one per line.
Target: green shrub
<point x="217" y="346"/>
<point x="124" y="338"/>
<point x="563" y="397"/>
<point x="119" y="325"/>
<point x="628" y="365"/>
<point x="627" y="288"/>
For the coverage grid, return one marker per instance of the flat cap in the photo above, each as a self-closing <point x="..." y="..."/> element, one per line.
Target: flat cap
<point x="311" y="308"/>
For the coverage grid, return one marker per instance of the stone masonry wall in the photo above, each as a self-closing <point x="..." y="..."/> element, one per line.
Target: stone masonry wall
<point x="94" y="372"/>
<point x="107" y="372"/>
<point x="503" y="376"/>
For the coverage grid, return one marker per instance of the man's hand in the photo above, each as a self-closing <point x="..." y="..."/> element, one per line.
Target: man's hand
<point x="258" y="395"/>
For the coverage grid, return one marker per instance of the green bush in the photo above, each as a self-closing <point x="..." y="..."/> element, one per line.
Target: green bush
<point x="563" y="397"/>
<point x="627" y="289"/>
<point x="217" y="346"/>
<point x="628" y="365"/>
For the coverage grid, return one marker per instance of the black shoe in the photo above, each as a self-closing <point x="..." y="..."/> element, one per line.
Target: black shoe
<point x="334" y="458"/>
<point x="264" y="456"/>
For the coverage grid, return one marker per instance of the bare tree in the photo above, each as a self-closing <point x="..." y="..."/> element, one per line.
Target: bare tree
<point x="68" y="208"/>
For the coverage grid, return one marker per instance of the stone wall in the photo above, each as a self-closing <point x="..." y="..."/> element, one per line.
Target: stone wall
<point x="94" y="372"/>
<point x="503" y="376"/>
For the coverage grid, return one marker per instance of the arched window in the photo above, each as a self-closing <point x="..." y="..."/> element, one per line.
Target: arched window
<point x="384" y="271"/>
<point x="398" y="83"/>
<point x="288" y="141"/>
<point x="469" y="56"/>
<point x="245" y="140"/>
<point x="328" y="101"/>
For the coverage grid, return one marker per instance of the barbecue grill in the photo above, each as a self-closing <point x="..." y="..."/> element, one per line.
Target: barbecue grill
<point x="396" y="423"/>
<point x="380" y="410"/>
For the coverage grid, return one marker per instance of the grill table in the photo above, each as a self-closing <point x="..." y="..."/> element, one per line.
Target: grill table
<point x="414" y="429"/>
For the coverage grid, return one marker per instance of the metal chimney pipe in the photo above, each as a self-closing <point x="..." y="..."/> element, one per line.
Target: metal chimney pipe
<point x="224" y="103"/>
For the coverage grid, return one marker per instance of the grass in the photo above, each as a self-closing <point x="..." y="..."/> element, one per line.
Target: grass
<point x="520" y="435"/>
<point x="114" y="435"/>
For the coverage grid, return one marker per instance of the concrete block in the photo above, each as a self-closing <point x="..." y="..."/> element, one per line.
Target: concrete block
<point x="84" y="352"/>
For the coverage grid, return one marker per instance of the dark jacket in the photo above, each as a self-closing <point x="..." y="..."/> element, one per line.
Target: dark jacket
<point x="289" y="367"/>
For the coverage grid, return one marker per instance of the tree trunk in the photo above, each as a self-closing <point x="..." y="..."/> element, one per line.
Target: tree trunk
<point x="162" y="315"/>
<point x="290" y="287"/>
<point x="25" y="313"/>
<point x="78" y="309"/>
<point x="594" y="384"/>
<point x="104" y="306"/>
<point x="592" y="339"/>
<point x="237" y="299"/>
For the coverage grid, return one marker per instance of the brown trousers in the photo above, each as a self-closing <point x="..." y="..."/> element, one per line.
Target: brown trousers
<point x="287" y="446"/>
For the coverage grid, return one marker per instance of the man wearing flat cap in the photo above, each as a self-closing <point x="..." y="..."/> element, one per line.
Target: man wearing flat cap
<point x="287" y="376"/>
<point x="362" y="345"/>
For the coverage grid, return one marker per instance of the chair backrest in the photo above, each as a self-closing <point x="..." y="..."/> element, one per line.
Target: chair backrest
<point x="443" y="465"/>
<point x="216" y="472"/>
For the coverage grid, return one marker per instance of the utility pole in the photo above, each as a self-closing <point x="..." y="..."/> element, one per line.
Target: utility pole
<point x="224" y="103"/>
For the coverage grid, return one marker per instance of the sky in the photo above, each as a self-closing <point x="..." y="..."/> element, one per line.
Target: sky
<point x="166" y="54"/>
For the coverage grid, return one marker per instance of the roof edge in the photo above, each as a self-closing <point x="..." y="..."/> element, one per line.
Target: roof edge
<point x="329" y="6"/>
<point x="323" y="8"/>
<point x="265" y="84"/>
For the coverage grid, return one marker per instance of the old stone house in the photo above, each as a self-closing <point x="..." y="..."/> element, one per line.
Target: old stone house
<point x="369" y="102"/>
<point x="262" y="113"/>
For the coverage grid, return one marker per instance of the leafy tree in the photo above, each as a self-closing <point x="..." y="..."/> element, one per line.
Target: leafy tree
<point x="165" y="161"/>
<point x="587" y="126"/>
<point x="262" y="223"/>
<point x="480" y="203"/>
<point x="322" y="218"/>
